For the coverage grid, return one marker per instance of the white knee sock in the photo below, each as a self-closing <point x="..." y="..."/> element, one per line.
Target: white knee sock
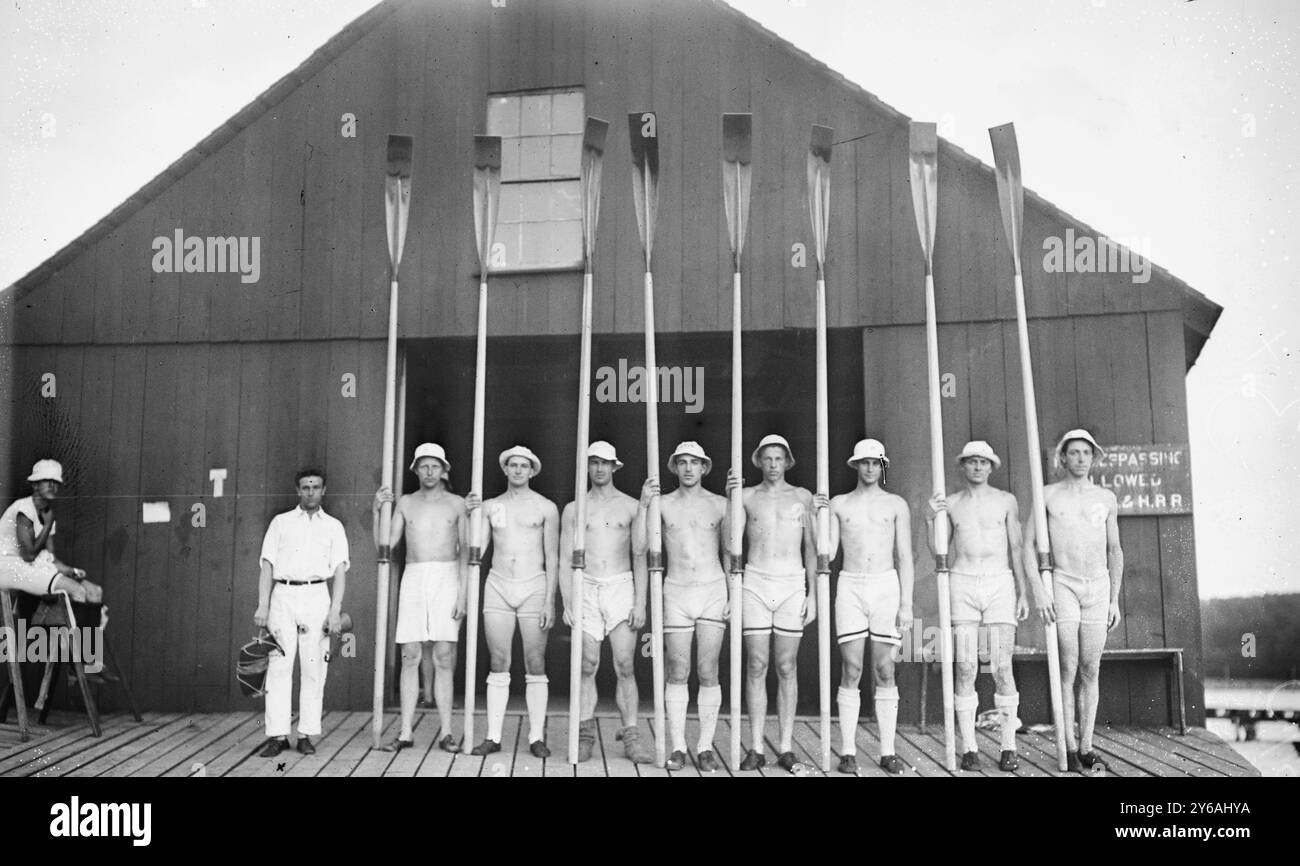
<point x="966" y="706"/>
<point x="676" y="697"/>
<point x="887" y="716"/>
<point x="850" y="704"/>
<point x="498" y="692"/>
<point x="536" y="692"/>
<point x="1007" y="706"/>
<point x="710" y="701"/>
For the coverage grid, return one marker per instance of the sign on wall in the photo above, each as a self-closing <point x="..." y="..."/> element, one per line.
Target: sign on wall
<point x="1146" y="479"/>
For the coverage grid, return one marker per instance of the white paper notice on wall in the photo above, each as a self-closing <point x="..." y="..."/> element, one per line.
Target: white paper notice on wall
<point x="156" y="512"/>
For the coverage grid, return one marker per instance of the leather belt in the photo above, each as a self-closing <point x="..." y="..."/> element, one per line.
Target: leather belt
<point x="300" y="582"/>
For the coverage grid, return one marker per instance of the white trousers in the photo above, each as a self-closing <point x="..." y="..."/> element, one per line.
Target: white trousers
<point x="297" y="621"/>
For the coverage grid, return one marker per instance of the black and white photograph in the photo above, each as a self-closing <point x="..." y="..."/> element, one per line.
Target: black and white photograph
<point x="409" y="389"/>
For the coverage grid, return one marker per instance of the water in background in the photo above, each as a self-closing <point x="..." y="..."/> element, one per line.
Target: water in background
<point x="1273" y="750"/>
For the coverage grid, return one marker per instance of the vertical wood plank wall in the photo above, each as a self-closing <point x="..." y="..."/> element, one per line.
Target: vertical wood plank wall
<point x="162" y="377"/>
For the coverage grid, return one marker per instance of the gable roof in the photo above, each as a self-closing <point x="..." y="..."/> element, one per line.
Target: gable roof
<point x="1199" y="312"/>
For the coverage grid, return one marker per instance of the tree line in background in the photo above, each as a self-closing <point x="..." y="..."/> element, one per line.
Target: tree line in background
<point x="1252" y="638"/>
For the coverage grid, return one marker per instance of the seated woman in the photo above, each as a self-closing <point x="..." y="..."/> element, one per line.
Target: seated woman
<point x="27" y="558"/>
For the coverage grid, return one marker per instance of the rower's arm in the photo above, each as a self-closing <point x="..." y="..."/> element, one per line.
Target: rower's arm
<point x="903" y="550"/>
<point x="551" y="548"/>
<point x="566" y="549"/>
<point x="640" y="570"/>
<point x="1015" y="542"/>
<point x="810" y="545"/>
<point x="1114" y="553"/>
<point x="462" y="551"/>
<point x="835" y="531"/>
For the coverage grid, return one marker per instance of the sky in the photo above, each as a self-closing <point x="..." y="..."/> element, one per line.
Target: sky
<point x="1169" y="124"/>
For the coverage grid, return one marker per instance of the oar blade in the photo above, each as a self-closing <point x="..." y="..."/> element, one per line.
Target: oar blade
<point x="1011" y="194"/>
<point x="643" y="131"/>
<point x="923" y="156"/>
<point x="487" y="193"/>
<point x="819" y="188"/>
<point x="397" y="194"/>
<point x="593" y="155"/>
<point x="737" y="171"/>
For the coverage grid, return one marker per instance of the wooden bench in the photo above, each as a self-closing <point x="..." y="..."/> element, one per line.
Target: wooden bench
<point x="1172" y="655"/>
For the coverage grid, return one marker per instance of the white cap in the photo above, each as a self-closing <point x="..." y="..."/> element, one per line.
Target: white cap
<point x="521" y="451"/>
<point x="47" y="470"/>
<point x="869" y="448"/>
<point x="604" y="451"/>
<point x="773" y="439"/>
<point x="1077" y="433"/>
<point x="429" y="449"/>
<point x="979" y="448"/>
<point x="690" y="449"/>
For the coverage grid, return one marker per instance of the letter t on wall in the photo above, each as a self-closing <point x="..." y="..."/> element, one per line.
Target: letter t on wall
<point x="217" y="477"/>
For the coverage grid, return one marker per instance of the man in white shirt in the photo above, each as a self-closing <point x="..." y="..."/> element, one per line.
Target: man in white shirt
<point x="303" y="548"/>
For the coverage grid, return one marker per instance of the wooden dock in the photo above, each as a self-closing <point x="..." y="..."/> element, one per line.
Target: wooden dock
<point x="225" y="744"/>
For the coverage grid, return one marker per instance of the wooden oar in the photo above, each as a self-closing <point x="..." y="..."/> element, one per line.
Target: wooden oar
<point x="643" y="130"/>
<point x="923" y="151"/>
<point x="593" y="152"/>
<point x="1011" y="200"/>
<point x="736" y="175"/>
<point x="819" y="209"/>
<point x="487" y="193"/>
<point x="397" y="207"/>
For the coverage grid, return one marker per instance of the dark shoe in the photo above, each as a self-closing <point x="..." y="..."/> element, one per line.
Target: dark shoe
<point x="395" y="746"/>
<point x="273" y="747"/>
<point x="970" y="761"/>
<point x="586" y="739"/>
<point x="422" y="704"/>
<point x="893" y="765"/>
<point x="1009" y="762"/>
<point x="753" y="760"/>
<point x="448" y="744"/>
<point x="786" y="761"/>
<point x="707" y="761"/>
<point x="675" y="761"/>
<point x="487" y="747"/>
<point x="1092" y="763"/>
<point x="848" y="765"/>
<point x="633" y="749"/>
<point x="305" y="746"/>
<point x="538" y="748"/>
<point x="1072" y="763"/>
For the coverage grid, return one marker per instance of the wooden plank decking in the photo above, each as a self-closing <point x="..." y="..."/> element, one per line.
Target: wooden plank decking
<point x="225" y="744"/>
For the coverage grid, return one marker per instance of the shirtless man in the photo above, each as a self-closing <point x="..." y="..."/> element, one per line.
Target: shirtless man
<point x="987" y="586"/>
<point x="1083" y="527"/>
<point x="696" y="603"/>
<point x="431" y="605"/>
<point x="873" y="597"/>
<point x="779" y="591"/>
<point x="613" y="597"/>
<point x="524" y="528"/>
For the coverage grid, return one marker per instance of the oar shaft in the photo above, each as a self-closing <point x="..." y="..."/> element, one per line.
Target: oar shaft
<point x="654" y="529"/>
<point x="1039" y="513"/>
<point x="578" y="578"/>
<point x="736" y="541"/>
<point x="939" y="488"/>
<point x="476" y="518"/>
<point x="385" y="520"/>
<point x="823" y="529"/>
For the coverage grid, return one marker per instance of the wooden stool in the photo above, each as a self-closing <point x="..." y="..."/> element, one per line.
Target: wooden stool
<point x="14" y="688"/>
<point x="56" y="613"/>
